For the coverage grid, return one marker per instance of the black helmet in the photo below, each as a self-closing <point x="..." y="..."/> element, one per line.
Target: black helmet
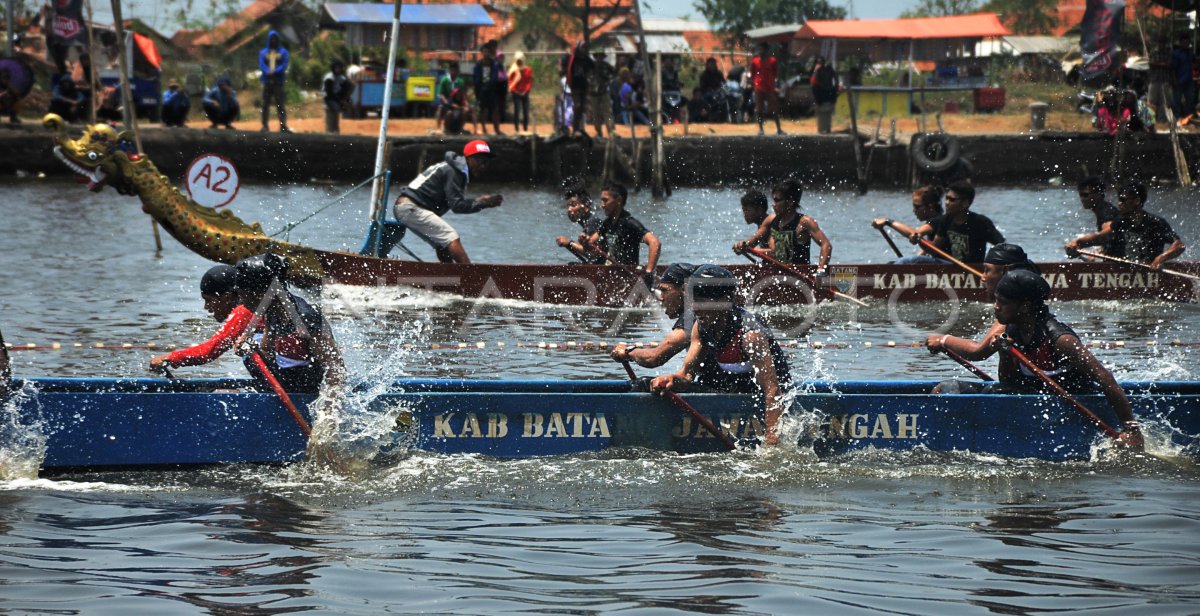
<point x="278" y="264"/>
<point x="1023" y="286"/>
<point x="712" y="282"/>
<point x="254" y="274"/>
<point x="218" y="280"/>
<point x="1006" y="254"/>
<point x="677" y="273"/>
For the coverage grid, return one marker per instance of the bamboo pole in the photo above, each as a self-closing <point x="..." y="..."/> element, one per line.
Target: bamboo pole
<point x="657" y="183"/>
<point x="129" y="106"/>
<point x="92" y="81"/>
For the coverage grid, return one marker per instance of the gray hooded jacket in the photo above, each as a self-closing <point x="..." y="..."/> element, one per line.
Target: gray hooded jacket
<point x="440" y="188"/>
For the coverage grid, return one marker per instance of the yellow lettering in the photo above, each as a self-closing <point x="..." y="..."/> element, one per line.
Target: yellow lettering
<point x="441" y="426"/>
<point x="1083" y="281"/>
<point x="1152" y="280"/>
<point x="858" y="426"/>
<point x="471" y="427"/>
<point x="931" y="281"/>
<point x="576" y="422"/>
<point x="555" y="426"/>
<point x="756" y="428"/>
<point x="907" y="425"/>
<point x="878" y="282"/>
<point x="497" y="425"/>
<point x="599" y="427"/>
<point x="881" y="429"/>
<point x="683" y="429"/>
<point x="534" y="425"/>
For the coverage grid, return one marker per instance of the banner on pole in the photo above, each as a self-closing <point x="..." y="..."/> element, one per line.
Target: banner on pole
<point x="1098" y="34"/>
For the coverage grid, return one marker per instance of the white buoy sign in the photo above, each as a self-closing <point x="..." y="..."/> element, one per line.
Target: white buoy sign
<point x="212" y="180"/>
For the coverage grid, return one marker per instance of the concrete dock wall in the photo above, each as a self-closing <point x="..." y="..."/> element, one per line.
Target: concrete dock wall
<point x="822" y="161"/>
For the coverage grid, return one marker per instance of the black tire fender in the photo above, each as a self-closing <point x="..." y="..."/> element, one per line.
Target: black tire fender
<point x="936" y="152"/>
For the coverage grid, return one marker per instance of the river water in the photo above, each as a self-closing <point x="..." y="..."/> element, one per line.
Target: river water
<point x="769" y="532"/>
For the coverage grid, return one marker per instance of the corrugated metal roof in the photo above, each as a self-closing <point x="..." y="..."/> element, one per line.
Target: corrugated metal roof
<point x="979" y="25"/>
<point x="671" y="24"/>
<point x="410" y="14"/>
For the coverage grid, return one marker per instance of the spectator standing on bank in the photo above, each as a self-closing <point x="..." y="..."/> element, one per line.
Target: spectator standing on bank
<point x="825" y="84"/>
<point x="764" y="74"/>
<point x="1182" y="84"/>
<point x="487" y="94"/>
<point x="175" y="105"/>
<point x="520" y="82"/>
<point x="273" y="63"/>
<point x="600" y="106"/>
<point x="577" y="66"/>
<point x="221" y="104"/>
<point x="447" y="84"/>
<point x="501" y="88"/>
<point x="338" y="88"/>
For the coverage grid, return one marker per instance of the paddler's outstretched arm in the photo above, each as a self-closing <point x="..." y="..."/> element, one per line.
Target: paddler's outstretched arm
<point x="971" y="350"/>
<point x="1091" y="239"/>
<point x="1083" y="360"/>
<point x="680" y="381"/>
<point x="819" y="237"/>
<point x="900" y="227"/>
<point x="655" y="247"/>
<point x="753" y="241"/>
<point x="1174" y="250"/>
<point x="675" y="342"/>
<point x="758" y="347"/>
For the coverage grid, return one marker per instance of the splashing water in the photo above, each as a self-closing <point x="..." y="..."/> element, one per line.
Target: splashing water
<point x="22" y="435"/>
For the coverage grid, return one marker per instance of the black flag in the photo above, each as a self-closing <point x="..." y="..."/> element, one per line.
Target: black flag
<point x="1098" y="36"/>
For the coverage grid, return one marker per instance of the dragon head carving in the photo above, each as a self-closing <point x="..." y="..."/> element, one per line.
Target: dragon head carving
<point x="101" y="157"/>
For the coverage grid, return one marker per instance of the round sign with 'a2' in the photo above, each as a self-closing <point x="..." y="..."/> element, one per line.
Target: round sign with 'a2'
<point x="212" y="180"/>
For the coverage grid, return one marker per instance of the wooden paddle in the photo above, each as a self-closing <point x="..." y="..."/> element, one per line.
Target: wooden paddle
<point x="284" y="398"/>
<point x="1146" y="266"/>
<point x="884" y="233"/>
<point x="248" y="348"/>
<point x="931" y="247"/>
<point x="811" y="280"/>
<point x="962" y="361"/>
<point x="683" y="405"/>
<point x="578" y="255"/>
<point x="1057" y="389"/>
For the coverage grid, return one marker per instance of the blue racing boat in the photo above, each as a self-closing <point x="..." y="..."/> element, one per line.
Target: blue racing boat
<point x="125" y="423"/>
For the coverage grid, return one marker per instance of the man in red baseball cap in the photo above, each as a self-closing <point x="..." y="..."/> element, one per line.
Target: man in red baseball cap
<point x="439" y="189"/>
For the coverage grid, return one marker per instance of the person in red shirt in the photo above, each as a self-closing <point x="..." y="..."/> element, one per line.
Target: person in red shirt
<point x="221" y="301"/>
<point x="764" y="73"/>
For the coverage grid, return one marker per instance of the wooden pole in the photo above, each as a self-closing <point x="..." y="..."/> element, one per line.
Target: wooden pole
<point x="92" y="81"/>
<point x="859" y="172"/>
<point x="129" y="106"/>
<point x="656" y="186"/>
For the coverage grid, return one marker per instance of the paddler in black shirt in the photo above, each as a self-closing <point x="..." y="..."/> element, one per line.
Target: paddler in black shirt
<point x="793" y="232"/>
<point x="1091" y="197"/>
<point x="1140" y="235"/>
<point x="1000" y="260"/>
<point x="621" y="235"/>
<point x="297" y="344"/>
<point x="1053" y="347"/>
<point x="730" y="350"/>
<point x="960" y="232"/>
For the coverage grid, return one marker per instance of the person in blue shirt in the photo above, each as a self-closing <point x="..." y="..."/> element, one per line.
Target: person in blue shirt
<point x="175" y="105"/>
<point x="66" y="99"/>
<point x="273" y="64"/>
<point x="221" y="104"/>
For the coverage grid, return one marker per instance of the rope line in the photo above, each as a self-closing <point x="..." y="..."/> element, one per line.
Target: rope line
<point x="292" y="225"/>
